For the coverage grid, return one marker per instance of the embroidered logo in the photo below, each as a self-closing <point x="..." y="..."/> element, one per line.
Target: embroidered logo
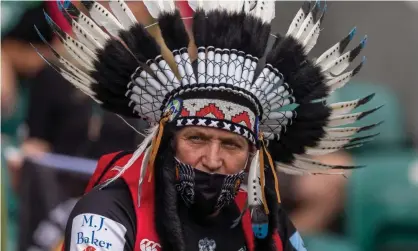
<point x="207" y="245"/>
<point x="89" y="248"/>
<point x="148" y="245"/>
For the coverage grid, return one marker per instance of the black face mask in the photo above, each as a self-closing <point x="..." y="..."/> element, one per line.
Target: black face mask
<point x="203" y="192"/>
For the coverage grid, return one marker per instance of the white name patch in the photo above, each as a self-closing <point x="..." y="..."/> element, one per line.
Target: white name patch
<point x="93" y="232"/>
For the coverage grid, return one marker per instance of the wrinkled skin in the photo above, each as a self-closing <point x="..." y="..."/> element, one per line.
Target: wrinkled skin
<point x="212" y="150"/>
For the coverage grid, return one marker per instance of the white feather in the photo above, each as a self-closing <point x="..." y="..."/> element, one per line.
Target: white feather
<point x="322" y="150"/>
<point x="342" y="132"/>
<point x="341" y="108"/>
<point x="312" y="37"/>
<point x="136" y="155"/>
<point x="81" y="58"/>
<point x="68" y="65"/>
<point x="76" y="72"/>
<point x="73" y="79"/>
<point x="168" y="5"/>
<point x="249" y="6"/>
<point x="296" y="23"/>
<point x="152" y="7"/>
<point x="337" y="66"/>
<point x="310" y="164"/>
<point x="293" y="170"/>
<point x="80" y="47"/>
<point x="123" y="13"/>
<point x="334" y="52"/>
<point x="84" y="36"/>
<point x="265" y="10"/>
<point x="290" y="170"/>
<point x="86" y="22"/>
<point x="156" y="7"/>
<point x="343" y="119"/>
<point x="340" y="120"/>
<point x="341" y="80"/>
<point x="254" y="183"/>
<point x="326" y="143"/>
<point x="106" y="19"/>
<point x="75" y="48"/>
<point x="305" y="28"/>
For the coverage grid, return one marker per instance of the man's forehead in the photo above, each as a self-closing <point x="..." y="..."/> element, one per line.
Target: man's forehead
<point x="211" y="132"/>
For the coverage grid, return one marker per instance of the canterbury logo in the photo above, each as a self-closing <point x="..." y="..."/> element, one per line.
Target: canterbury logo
<point x="89" y="248"/>
<point x="147" y="245"/>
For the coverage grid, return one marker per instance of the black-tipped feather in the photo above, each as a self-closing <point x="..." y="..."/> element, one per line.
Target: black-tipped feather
<point x="366" y="113"/>
<point x="358" y="68"/>
<point x="364" y="138"/>
<point x="114" y="67"/>
<point x="312" y="112"/>
<point x="287" y="55"/>
<point x="306" y="7"/>
<point x="354" y="53"/>
<point x="306" y="131"/>
<point x="88" y="4"/>
<point x="131" y="41"/>
<point x="315" y="11"/>
<point x="308" y="83"/>
<point x="370" y="127"/>
<point x="71" y="9"/>
<point x="305" y="79"/>
<point x="140" y="42"/>
<point x="199" y="28"/>
<point x="259" y="34"/>
<point x="173" y="30"/>
<point x="55" y="28"/>
<point x="345" y="41"/>
<point x="236" y="31"/>
<point x="233" y="38"/>
<point x="365" y="100"/>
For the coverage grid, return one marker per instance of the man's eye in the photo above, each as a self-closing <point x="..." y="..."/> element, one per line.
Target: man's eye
<point x="231" y="145"/>
<point x="195" y="139"/>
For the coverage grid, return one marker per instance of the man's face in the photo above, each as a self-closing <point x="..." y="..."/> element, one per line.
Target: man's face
<point x="212" y="150"/>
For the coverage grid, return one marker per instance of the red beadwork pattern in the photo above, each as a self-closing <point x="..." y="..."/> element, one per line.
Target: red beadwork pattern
<point x="242" y="117"/>
<point x="184" y="112"/>
<point x="211" y="109"/>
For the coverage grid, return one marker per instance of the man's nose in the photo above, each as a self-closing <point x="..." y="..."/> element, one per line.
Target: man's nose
<point x="212" y="160"/>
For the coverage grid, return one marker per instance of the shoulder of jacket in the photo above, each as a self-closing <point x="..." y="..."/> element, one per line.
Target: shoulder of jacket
<point x="105" y="164"/>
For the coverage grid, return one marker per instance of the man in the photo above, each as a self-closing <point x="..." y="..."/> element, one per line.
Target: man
<point x="204" y="178"/>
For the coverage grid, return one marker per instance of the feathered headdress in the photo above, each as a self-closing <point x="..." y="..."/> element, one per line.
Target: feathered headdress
<point x="124" y="71"/>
